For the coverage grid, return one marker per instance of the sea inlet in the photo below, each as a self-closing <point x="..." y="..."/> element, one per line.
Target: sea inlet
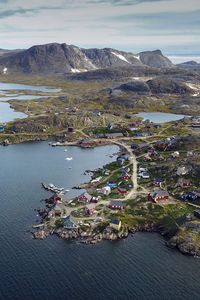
<point x="139" y="267"/>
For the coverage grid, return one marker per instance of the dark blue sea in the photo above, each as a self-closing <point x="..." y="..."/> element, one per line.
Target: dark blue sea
<point x="140" y="267"/>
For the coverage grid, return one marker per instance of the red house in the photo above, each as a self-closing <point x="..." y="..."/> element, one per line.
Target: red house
<point x="158" y="196"/>
<point x="90" y="209"/>
<point x="116" y="204"/>
<point x="85" y="197"/>
<point x="126" y="177"/>
<point x="122" y="191"/>
<point x="184" y="183"/>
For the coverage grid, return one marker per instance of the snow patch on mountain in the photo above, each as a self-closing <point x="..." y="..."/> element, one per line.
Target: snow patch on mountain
<point x="75" y="70"/>
<point x="121" y="57"/>
<point x="137" y="57"/>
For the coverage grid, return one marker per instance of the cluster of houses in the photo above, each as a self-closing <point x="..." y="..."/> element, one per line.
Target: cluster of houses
<point x="90" y="202"/>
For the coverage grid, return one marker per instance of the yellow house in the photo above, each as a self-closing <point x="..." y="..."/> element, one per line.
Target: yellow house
<point x="116" y="224"/>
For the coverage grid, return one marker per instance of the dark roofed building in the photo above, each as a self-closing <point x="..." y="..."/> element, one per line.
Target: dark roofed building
<point x="116" y="204"/>
<point x="70" y="223"/>
<point x="116" y="224"/>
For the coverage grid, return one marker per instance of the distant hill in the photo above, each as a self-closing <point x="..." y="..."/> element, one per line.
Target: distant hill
<point x="192" y="65"/>
<point x="65" y="59"/>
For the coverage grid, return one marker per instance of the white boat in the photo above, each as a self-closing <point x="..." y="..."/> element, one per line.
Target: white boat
<point x="65" y="150"/>
<point x="67" y="190"/>
<point x="52" y="186"/>
<point x="68" y="158"/>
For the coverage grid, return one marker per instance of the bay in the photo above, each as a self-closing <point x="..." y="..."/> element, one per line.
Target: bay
<point x="140" y="267"/>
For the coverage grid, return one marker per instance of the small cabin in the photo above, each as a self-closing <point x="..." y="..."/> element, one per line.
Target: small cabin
<point x="106" y="190"/>
<point x="70" y="223"/>
<point x="90" y="209"/>
<point x="122" y="191"/>
<point x="158" y="196"/>
<point x="116" y="204"/>
<point x="115" y="224"/>
<point x="85" y="198"/>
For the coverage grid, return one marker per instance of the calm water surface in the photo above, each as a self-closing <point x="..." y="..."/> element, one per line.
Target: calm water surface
<point x="15" y="86"/>
<point x="7" y="114"/>
<point x="159" y="117"/>
<point x="140" y="267"/>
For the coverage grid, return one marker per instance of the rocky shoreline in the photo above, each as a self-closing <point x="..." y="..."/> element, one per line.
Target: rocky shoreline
<point x="90" y="236"/>
<point x="186" y="246"/>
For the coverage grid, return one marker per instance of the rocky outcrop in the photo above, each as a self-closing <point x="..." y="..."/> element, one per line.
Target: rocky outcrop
<point x="187" y="239"/>
<point x="41" y="234"/>
<point x="88" y="236"/>
<point x="167" y="86"/>
<point x="136" y="86"/>
<point x="155" y="59"/>
<point x="158" y="85"/>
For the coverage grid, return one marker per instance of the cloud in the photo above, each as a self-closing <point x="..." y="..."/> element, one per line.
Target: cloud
<point x="124" y="2"/>
<point x="125" y="24"/>
<point x="12" y="12"/>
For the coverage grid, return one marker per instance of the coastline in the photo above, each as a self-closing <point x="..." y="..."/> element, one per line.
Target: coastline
<point x="89" y="237"/>
<point x="96" y="233"/>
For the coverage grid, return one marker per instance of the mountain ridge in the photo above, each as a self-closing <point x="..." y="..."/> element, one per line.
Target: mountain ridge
<point x="55" y="58"/>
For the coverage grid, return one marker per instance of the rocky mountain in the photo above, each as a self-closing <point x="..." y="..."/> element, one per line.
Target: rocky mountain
<point x="155" y="59"/>
<point x="192" y="65"/>
<point x="64" y="59"/>
<point x="159" y="85"/>
<point x="4" y="51"/>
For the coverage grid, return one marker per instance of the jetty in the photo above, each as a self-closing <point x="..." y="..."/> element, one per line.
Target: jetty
<point x="51" y="187"/>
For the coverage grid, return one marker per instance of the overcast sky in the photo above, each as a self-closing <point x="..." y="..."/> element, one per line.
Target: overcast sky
<point x="134" y="25"/>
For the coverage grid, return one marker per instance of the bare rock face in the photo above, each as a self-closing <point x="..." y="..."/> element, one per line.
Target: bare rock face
<point x="138" y="87"/>
<point x="187" y="239"/>
<point x="167" y="86"/>
<point x="155" y="59"/>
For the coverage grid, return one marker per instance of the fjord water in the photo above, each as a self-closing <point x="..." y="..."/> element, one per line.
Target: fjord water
<point x="140" y="267"/>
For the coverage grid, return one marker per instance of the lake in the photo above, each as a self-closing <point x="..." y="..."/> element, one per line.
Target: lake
<point x="140" y="267"/>
<point x="7" y="114"/>
<point x="24" y="87"/>
<point x="160" y="117"/>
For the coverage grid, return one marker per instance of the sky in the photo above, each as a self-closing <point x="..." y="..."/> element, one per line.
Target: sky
<point x="131" y="25"/>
